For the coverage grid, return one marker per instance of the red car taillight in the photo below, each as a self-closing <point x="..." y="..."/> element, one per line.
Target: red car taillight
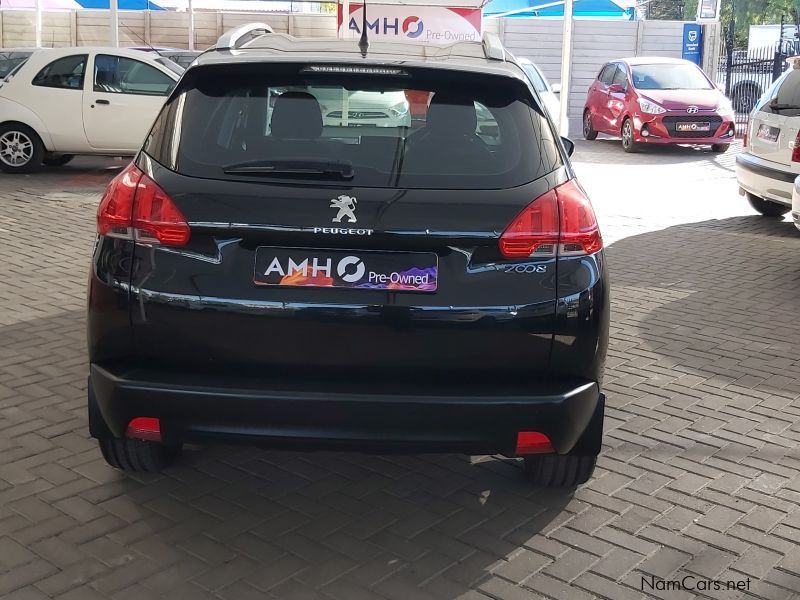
<point x="746" y="133"/>
<point x="134" y="207"/>
<point x="796" y="148"/>
<point x="144" y="428"/>
<point x="532" y="442"/>
<point x="559" y="222"/>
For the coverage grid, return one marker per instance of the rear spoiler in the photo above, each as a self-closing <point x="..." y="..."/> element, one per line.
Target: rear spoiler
<point x="239" y="36"/>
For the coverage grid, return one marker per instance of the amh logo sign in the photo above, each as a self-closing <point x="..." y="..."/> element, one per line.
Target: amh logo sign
<point x="430" y="24"/>
<point x="412" y="26"/>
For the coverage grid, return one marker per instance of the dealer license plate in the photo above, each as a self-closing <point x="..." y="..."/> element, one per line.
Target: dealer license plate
<point x="358" y="269"/>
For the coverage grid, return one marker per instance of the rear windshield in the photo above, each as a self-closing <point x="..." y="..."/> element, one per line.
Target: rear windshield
<point x="783" y="96"/>
<point x="536" y="78"/>
<point x="421" y="129"/>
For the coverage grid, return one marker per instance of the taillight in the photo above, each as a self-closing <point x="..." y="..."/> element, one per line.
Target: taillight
<point x="559" y="222"/>
<point x="134" y="207"/>
<point x="116" y="206"/>
<point x="532" y="442"/>
<point x="746" y="133"/>
<point x="796" y="148"/>
<point x="144" y="428"/>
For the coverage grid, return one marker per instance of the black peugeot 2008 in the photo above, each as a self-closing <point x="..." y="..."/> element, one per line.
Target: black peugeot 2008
<point x="293" y="260"/>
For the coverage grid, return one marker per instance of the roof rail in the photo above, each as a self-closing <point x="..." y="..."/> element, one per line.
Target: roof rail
<point x="492" y="47"/>
<point x="238" y="36"/>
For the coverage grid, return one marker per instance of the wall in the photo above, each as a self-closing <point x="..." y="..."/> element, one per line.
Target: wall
<point x="136" y="28"/>
<point x="594" y="41"/>
<point x="159" y="28"/>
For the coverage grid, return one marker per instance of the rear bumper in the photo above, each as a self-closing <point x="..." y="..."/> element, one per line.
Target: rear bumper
<point x="472" y="419"/>
<point x="796" y="203"/>
<point x="765" y="179"/>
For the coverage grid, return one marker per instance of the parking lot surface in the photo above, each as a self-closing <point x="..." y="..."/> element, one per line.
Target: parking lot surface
<point x="699" y="475"/>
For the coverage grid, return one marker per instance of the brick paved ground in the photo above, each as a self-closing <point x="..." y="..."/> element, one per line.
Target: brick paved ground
<point x="700" y="472"/>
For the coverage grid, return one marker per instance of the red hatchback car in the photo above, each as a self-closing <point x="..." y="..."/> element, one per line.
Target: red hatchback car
<point x="650" y="100"/>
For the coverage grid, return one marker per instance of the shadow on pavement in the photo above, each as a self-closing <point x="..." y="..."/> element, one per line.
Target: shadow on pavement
<point x="704" y="339"/>
<point x="609" y="150"/>
<point x="84" y="173"/>
<point x="704" y="361"/>
<point x="241" y="521"/>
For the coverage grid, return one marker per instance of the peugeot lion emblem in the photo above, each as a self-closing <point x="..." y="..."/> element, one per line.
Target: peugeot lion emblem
<point x="691" y="110"/>
<point x="347" y="208"/>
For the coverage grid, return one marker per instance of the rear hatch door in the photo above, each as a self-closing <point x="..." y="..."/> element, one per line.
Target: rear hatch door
<point x="775" y="122"/>
<point x="312" y="249"/>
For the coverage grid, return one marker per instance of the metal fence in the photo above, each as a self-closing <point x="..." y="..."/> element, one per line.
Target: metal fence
<point x="746" y="74"/>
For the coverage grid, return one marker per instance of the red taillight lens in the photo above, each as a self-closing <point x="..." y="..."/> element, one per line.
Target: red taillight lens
<point x="144" y="428"/>
<point x="559" y="222"/>
<point x="746" y="133"/>
<point x="534" y="232"/>
<point x="156" y="218"/>
<point x="532" y="442"/>
<point x="116" y="206"/>
<point x="796" y="148"/>
<point x="135" y="207"/>
<point x="580" y="233"/>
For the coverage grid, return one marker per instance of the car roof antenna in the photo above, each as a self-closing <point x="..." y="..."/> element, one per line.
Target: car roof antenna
<point x="363" y="43"/>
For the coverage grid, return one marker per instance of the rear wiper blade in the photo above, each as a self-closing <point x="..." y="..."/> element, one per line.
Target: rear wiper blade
<point x="340" y="169"/>
<point x="776" y="106"/>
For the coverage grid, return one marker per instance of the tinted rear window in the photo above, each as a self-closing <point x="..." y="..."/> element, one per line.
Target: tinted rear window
<point x="424" y="129"/>
<point x="783" y="96"/>
<point x="10" y="61"/>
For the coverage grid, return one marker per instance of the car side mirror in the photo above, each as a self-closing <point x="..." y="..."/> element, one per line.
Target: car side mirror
<point x="569" y="145"/>
<point x="616" y="88"/>
<point x="556" y="88"/>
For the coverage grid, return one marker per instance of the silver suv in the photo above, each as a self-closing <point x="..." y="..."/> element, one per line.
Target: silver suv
<point x="770" y="160"/>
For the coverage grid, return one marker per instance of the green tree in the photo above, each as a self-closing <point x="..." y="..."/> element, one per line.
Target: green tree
<point x="744" y="13"/>
<point x="672" y="10"/>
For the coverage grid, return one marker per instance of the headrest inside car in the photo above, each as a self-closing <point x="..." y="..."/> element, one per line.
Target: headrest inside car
<point x="296" y="116"/>
<point x="451" y="115"/>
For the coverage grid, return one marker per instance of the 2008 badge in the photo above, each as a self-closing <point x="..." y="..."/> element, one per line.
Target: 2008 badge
<point x="525" y="268"/>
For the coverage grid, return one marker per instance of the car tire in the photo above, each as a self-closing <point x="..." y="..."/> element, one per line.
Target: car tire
<point x="57" y="160"/>
<point x="21" y="149"/>
<point x="575" y="468"/>
<point x="766" y="207"/>
<point x="588" y="131"/>
<point x="559" y="470"/>
<point x="720" y="148"/>
<point x="138" y="456"/>
<point x="745" y="96"/>
<point x="628" y="144"/>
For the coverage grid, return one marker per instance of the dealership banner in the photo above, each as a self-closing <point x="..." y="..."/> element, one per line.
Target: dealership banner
<point x="429" y="24"/>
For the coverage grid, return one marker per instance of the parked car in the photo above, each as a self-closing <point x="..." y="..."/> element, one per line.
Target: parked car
<point x="548" y="93"/>
<point x="747" y="85"/>
<point x="365" y="108"/>
<point x="11" y="58"/>
<point x="770" y="158"/>
<point x="261" y="276"/>
<point x="647" y="100"/>
<point x="182" y="58"/>
<point x="50" y="110"/>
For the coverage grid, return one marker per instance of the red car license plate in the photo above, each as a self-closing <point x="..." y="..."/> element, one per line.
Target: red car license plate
<point x="693" y="127"/>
